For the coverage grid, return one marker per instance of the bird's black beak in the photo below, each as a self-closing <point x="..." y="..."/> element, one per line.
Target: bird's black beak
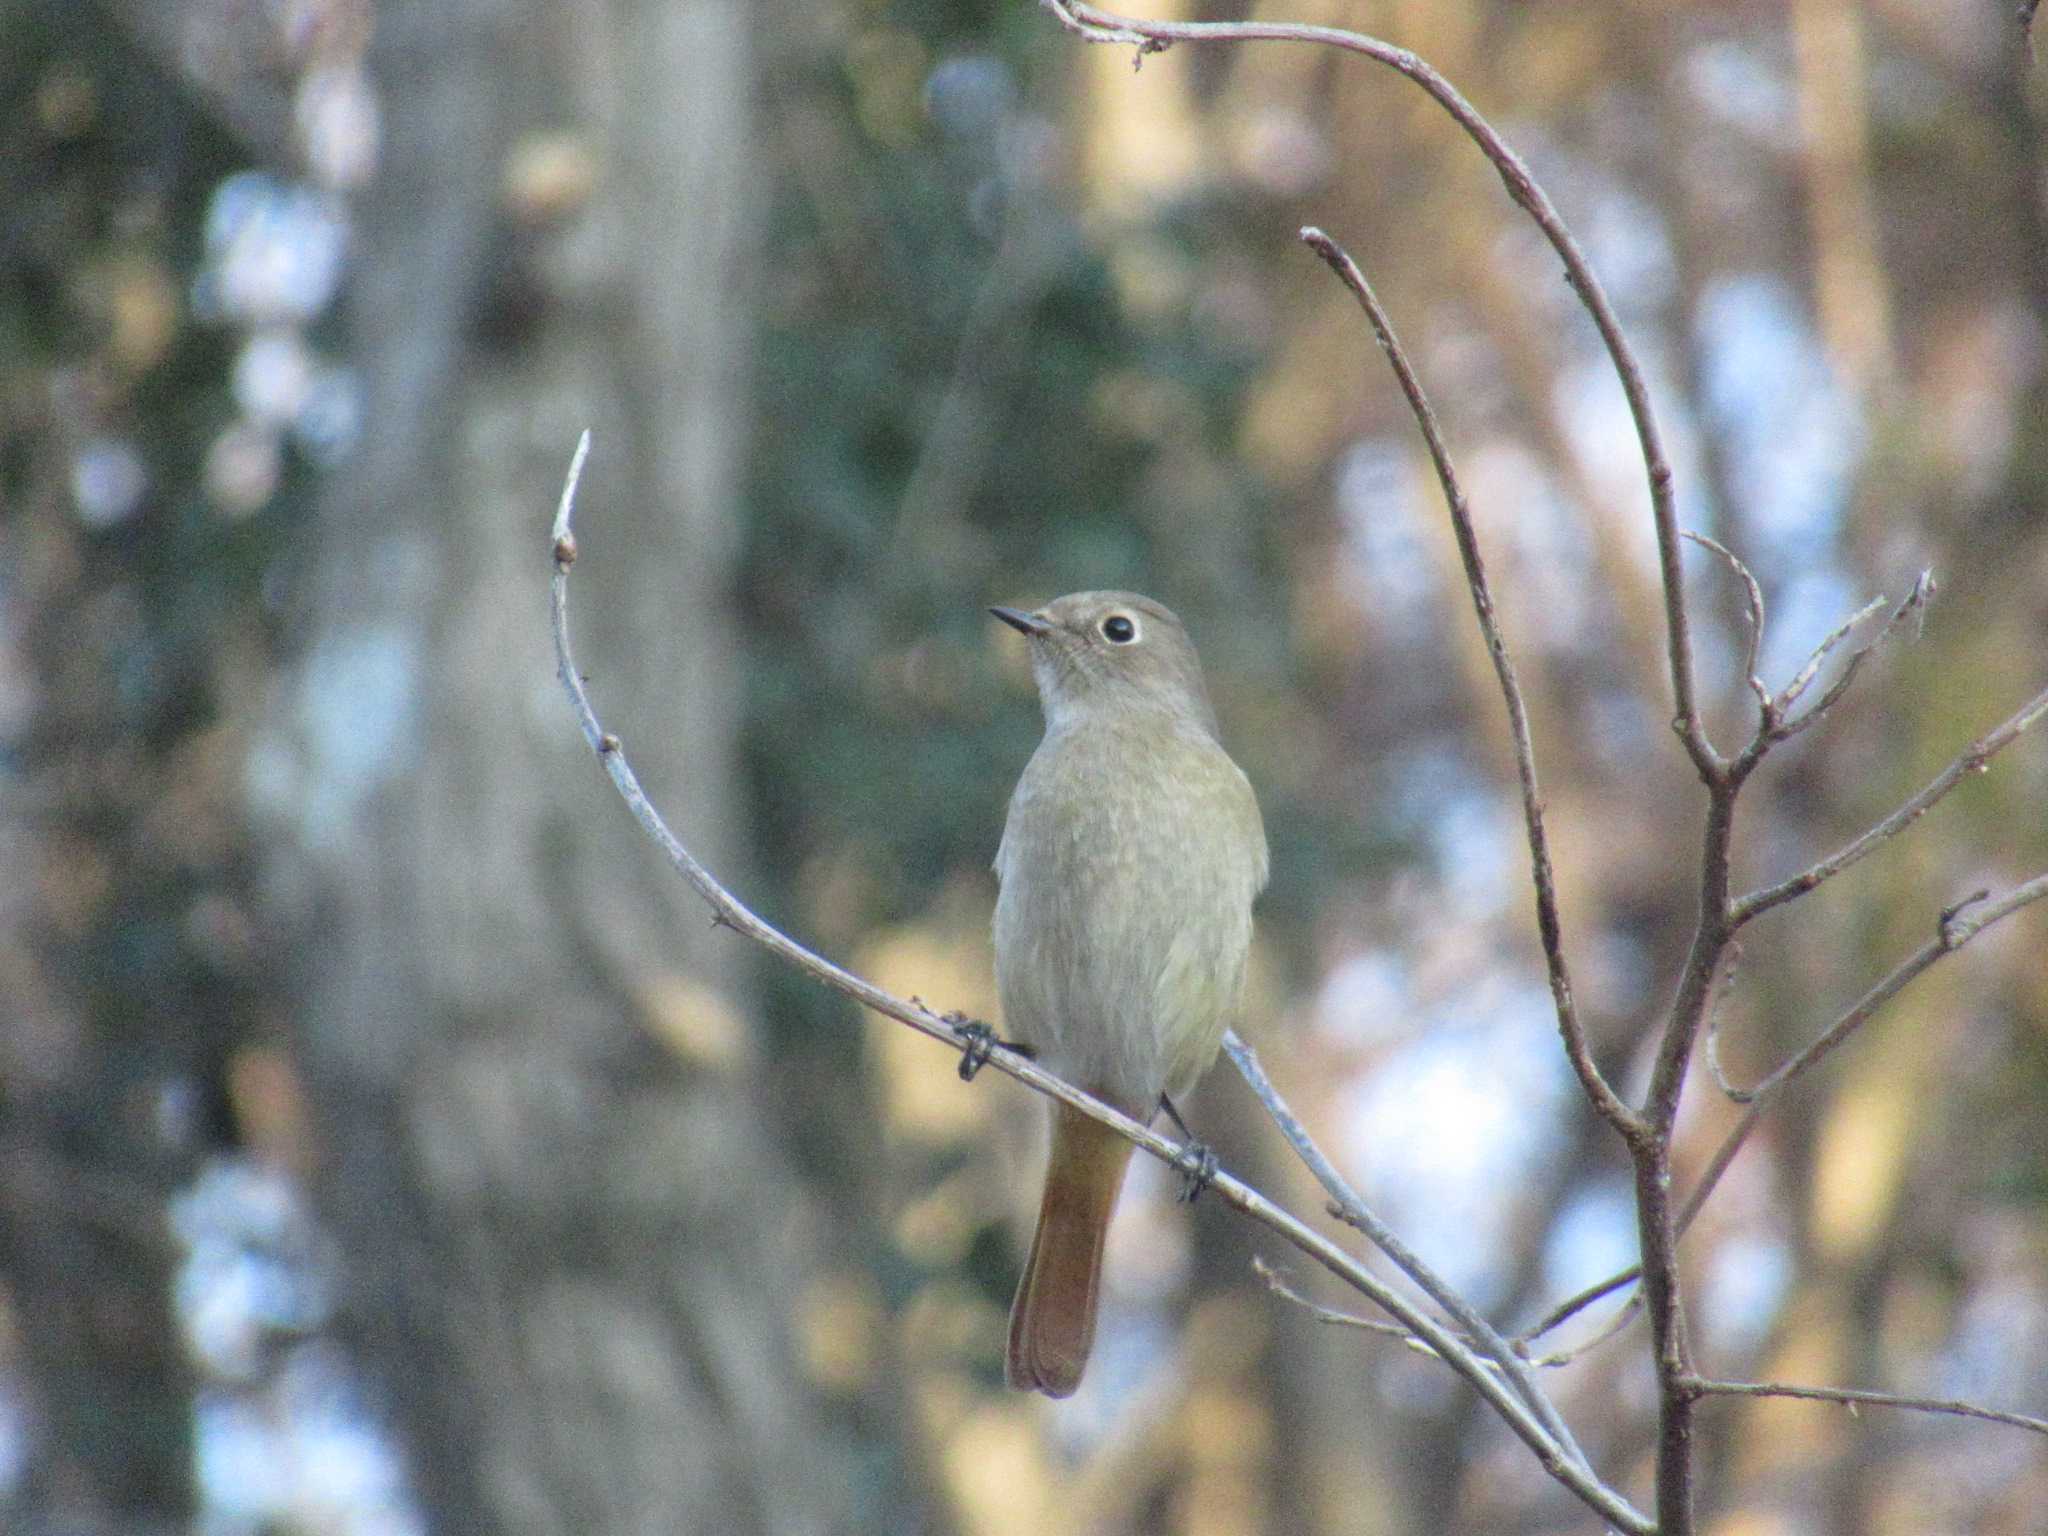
<point x="1024" y="623"/>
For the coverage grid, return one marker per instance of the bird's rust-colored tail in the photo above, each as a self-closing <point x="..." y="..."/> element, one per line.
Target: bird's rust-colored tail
<point x="1052" y="1321"/>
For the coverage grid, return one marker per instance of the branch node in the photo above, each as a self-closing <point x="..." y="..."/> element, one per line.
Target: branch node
<point x="607" y="744"/>
<point x="1952" y="931"/>
<point x="1924" y="588"/>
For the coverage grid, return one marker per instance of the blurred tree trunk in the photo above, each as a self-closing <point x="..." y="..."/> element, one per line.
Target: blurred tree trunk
<point x="88" y="1153"/>
<point x="122" y="992"/>
<point x="572" y="1254"/>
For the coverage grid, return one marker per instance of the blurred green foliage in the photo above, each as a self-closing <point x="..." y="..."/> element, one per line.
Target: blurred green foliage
<point x="955" y="289"/>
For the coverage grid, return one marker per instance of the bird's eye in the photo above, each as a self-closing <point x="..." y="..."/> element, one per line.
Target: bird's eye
<point x="1119" y="630"/>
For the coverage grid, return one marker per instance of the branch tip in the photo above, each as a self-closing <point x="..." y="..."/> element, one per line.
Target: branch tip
<point x="567" y="504"/>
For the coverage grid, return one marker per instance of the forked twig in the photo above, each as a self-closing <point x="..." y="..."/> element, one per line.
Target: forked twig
<point x="1793" y="691"/>
<point x="1912" y="606"/>
<point x="1350" y="1208"/>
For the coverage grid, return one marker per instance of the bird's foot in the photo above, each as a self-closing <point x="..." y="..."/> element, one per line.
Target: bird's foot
<point x="1197" y="1167"/>
<point x="981" y="1042"/>
<point x="1195" y="1162"/>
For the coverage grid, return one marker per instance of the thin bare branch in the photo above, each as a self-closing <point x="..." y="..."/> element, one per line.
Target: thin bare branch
<point x="1350" y="1208"/>
<point x="1974" y="759"/>
<point x="1093" y="22"/>
<point x="1953" y="930"/>
<point x="1605" y="1100"/>
<point x="1625" y="1314"/>
<point x="1577" y="1302"/>
<point x="1279" y="1286"/>
<point x="1956" y="926"/>
<point x="952" y="1030"/>
<point x="1913" y="606"/>
<point x="1791" y="693"/>
<point x="1753" y="597"/>
<point x="1853" y="1398"/>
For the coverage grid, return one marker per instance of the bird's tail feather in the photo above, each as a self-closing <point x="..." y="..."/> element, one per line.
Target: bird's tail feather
<point x="1052" y="1321"/>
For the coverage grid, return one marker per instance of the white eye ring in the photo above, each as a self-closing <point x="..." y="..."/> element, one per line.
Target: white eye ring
<point x="1120" y="629"/>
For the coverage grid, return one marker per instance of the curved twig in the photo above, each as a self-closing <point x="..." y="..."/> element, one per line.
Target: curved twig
<point x="730" y="912"/>
<point x="1605" y="1100"/>
<point x="1096" y="24"/>
<point x="1753" y="601"/>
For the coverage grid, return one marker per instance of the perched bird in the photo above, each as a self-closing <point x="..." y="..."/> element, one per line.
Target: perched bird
<point x="1128" y="866"/>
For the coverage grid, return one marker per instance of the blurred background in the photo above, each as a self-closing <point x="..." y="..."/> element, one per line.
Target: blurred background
<point x="387" y="1143"/>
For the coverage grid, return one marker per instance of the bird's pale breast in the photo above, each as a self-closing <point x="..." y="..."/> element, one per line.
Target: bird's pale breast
<point x="1129" y="863"/>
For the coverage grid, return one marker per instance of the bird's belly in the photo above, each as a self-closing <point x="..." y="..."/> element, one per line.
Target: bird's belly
<point x="1123" y="983"/>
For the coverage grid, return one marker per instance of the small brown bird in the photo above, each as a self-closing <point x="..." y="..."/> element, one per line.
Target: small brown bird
<point x="1128" y="865"/>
